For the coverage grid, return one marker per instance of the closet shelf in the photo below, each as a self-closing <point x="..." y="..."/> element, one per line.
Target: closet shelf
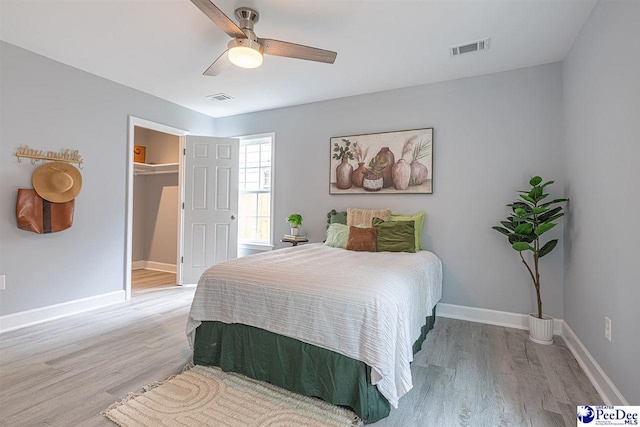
<point x="151" y="169"/>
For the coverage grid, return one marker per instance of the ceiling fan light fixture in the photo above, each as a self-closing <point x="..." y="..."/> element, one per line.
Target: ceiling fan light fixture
<point x="245" y="53"/>
<point x="246" y="49"/>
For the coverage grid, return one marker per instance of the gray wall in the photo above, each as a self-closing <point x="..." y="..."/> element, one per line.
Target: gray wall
<point x="491" y="133"/>
<point x="155" y="218"/>
<point x="161" y="225"/>
<point x="52" y="106"/>
<point x="601" y="114"/>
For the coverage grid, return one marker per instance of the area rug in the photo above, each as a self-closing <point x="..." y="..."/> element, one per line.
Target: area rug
<point x="207" y="396"/>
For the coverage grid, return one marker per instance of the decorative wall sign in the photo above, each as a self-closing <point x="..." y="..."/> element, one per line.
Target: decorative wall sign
<point x="390" y="162"/>
<point x="68" y="155"/>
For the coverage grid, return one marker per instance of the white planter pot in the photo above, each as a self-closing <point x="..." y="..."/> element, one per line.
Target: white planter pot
<point x="541" y="330"/>
<point x="372" y="184"/>
<point x="295" y="231"/>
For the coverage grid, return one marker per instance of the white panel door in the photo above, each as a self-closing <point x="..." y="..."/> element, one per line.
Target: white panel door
<point x="210" y="227"/>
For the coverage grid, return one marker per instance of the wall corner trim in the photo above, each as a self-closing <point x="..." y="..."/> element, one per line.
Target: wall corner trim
<point x="26" y="318"/>
<point x="602" y="383"/>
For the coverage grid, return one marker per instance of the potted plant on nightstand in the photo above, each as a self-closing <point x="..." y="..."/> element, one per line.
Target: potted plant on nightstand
<point x="295" y="220"/>
<point x="530" y="218"/>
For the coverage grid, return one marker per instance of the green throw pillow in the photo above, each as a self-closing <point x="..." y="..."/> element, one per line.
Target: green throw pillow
<point x="337" y="236"/>
<point x="418" y="220"/>
<point x="395" y="236"/>
<point x="335" y="217"/>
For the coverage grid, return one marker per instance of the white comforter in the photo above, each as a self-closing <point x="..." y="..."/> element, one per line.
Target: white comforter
<point x="367" y="306"/>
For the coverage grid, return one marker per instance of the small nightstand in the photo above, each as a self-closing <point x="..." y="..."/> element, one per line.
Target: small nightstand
<point x="293" y="242"/>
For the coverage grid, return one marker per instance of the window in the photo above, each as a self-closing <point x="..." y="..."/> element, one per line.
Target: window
<point x="254" y="201"/>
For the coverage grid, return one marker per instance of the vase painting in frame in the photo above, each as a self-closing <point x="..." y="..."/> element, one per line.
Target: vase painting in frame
<point x="399" y="162"/>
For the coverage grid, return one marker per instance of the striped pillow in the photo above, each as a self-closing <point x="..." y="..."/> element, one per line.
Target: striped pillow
<point x="364" y="217"/>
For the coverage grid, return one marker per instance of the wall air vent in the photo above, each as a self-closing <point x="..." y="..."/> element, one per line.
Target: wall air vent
<point x="469" y="47"/>
<point x="219" y="97"/>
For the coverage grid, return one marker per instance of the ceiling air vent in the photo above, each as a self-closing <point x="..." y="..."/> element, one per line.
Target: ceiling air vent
<point x="219" y="97"/>
<point x="469" y="47"/>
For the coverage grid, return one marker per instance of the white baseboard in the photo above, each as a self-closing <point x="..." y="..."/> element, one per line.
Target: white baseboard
<point x="491" y="317"/>
<point x="137" y="265"/>
<point x="602" y="383"/>
<point x="22" y="319"/>
<point x="152" y="265"/>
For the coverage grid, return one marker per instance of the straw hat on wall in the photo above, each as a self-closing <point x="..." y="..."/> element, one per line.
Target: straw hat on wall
<point x="57" y="182"/>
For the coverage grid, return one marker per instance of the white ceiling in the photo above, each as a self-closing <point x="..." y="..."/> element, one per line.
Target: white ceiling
<point x="162" y="46"/>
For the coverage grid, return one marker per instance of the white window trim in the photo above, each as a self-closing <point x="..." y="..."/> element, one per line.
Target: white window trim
<point x="259" y="246"/>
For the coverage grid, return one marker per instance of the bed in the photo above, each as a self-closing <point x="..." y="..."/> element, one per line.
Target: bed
<point x="322" y="321"/>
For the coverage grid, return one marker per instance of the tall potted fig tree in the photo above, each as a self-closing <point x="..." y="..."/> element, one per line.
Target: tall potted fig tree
<point x="531" y="216"/>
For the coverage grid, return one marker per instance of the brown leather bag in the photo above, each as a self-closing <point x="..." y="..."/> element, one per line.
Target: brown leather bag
<point x="33" y="213"/>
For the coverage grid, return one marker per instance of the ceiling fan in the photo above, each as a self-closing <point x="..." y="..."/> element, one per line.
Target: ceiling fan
<point x="246" y="49"/>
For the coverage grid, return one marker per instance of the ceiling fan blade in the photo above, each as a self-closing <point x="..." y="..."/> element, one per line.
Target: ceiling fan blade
<point x="219" y="18"/>
<point x="219" y="65"/>
<point x="292" y="50"/>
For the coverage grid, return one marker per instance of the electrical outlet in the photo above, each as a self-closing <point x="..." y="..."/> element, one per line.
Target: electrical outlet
<point x="2" y="282"/>
<point x="607" y="328"/>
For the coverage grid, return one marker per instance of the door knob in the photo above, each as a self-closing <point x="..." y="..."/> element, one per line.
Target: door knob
<point x="233" y="217"/>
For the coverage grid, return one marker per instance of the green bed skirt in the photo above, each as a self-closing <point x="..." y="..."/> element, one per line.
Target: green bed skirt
<point x="294" y="365"/>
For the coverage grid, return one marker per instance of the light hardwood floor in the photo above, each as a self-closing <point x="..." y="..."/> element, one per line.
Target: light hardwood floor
<point x="64" y="372"/>
<point x="146" y="279"/>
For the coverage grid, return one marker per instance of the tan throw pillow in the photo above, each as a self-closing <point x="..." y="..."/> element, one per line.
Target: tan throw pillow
<point x="362" y="239"/>
<point x="364" y="217"/>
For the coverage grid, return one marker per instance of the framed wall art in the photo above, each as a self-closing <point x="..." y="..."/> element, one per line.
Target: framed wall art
<point x="390" y="162"/>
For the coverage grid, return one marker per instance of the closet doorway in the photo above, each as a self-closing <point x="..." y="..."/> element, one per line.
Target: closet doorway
<point x="154" y="206"/>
